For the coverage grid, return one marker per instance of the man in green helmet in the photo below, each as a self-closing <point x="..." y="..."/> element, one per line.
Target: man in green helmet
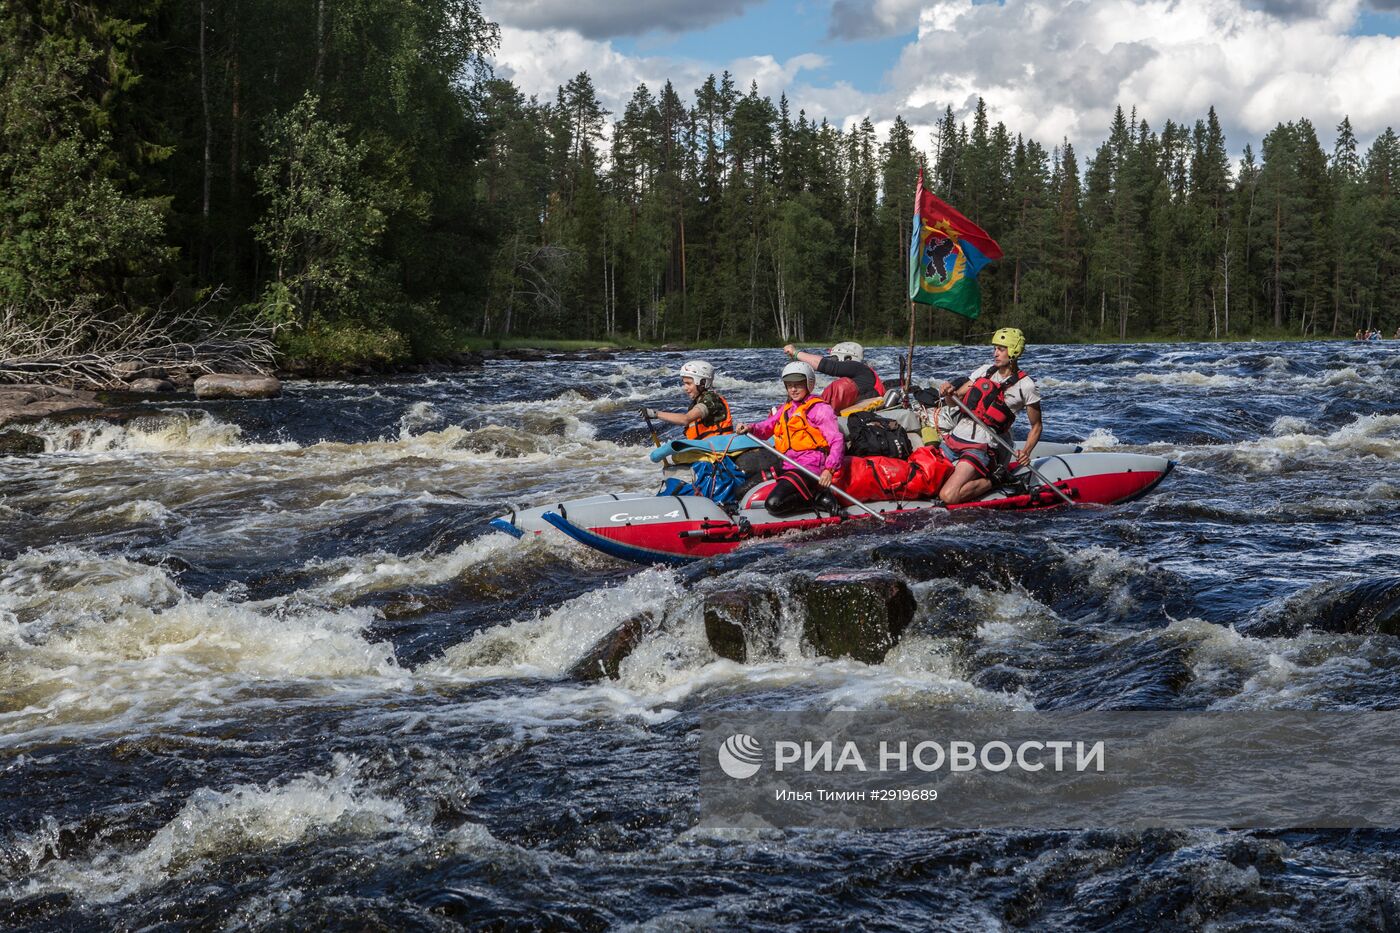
<point x="994" y="394"/>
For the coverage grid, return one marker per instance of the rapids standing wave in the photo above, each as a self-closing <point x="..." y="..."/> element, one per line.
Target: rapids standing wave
<point x="263" y="665"/>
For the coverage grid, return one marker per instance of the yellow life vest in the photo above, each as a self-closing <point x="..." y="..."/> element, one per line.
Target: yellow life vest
<point x="794" y="432"/>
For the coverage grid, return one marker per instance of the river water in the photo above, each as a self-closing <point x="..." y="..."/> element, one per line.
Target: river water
<point x="263" y="664"/>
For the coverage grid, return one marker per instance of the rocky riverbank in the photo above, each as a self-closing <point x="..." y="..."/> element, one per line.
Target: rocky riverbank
<point x="21" y="403"/>
<point x="26" y="403"/>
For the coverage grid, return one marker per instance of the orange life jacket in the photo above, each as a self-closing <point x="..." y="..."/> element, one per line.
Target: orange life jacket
<point x="695" y="430"/>
<point x="794" y="432"/>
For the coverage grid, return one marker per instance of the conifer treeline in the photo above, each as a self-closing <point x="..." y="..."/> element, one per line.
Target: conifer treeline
<point x="352" y="169"/>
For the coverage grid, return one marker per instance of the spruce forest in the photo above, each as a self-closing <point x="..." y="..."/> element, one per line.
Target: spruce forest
<point x="352" y="174"/>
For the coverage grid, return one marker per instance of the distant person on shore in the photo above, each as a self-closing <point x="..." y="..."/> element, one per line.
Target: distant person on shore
<point x="847" y="360"/>
<point x="805" y="429"/>
<point x="708" y="413"/>
<point x="994" y="394"/>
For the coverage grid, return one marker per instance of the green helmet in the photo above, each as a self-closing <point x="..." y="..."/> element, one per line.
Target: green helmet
<point x="1012" y="339"/>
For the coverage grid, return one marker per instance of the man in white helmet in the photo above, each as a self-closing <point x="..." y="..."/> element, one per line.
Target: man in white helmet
<point x="708" y="413"/>
<point x="845" y="359"/>
<point x="805" y="429"/>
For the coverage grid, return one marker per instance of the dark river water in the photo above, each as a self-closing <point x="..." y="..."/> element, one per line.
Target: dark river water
<point x="262" y="664"/>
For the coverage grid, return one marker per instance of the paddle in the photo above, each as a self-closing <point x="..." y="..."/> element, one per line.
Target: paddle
<point x="1001" y="442"/>
<point x="655" y="441"/>
<point x="840" y="492"/>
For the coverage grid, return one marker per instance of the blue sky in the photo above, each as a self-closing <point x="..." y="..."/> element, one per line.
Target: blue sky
<point x="1051" y="69"/>
<point x="783" y="29"/>
<point x="1378" y="23"/>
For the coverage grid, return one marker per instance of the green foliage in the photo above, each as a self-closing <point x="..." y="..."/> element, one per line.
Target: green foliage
<point x="325" y="214"/>
<point x="67" y="229"/>
<point x="333" y="346"/>
<point x="352" y="170"/>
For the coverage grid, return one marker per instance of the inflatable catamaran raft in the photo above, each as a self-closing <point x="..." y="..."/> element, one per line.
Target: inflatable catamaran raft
<point x="652" y="529"/>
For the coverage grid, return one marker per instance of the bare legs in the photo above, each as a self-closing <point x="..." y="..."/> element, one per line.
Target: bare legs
<point x="965" y="485"/>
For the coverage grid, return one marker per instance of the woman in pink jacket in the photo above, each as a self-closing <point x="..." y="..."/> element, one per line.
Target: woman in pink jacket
<point x="805" y="429"/>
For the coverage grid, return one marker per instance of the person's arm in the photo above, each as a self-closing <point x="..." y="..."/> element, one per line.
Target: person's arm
<point x="958" y="385"/>
<point x="811" y="359"/>
<point x="682" y="418"/>
<point x="1033" y="415"/>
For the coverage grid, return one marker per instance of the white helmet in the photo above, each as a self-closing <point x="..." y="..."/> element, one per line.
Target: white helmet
<point x="799" y="368"/>
<point x="849" y="350"/>
<point x="703" y="373"/>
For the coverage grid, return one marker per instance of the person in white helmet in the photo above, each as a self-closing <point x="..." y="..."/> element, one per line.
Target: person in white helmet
<point x="845" y="359"/>
<point x="805" y="429"/>
<point x="708" y="413"/>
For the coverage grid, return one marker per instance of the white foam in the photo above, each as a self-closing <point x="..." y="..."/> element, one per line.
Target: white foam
<point x="1190" y="378"/>
<point x="1050" y="382"/>
<point x="1100" y="439"/>
<point x="167" y="432"/>
<point x="1367" y="434"/>
<point x="139" y="511"/>
<point x="548" y="645"/>
<point x="360" y="574"/>
<point x="418" y="416"/>
<point x="1289" y="424"/>
<point x="1109" y="572"/>
<point x="1344" y="376"/>
<point x="214" y="824"/>
<point x="97" y="640"/>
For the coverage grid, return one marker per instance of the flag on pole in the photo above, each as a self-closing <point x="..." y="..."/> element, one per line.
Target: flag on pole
<point x="945" y="255"/>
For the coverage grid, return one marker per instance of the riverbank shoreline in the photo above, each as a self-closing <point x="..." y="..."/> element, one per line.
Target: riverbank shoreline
<point x="22" y="403"/>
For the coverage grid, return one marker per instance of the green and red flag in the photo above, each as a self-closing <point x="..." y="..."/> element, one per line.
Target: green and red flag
<point x="945" y="255"/>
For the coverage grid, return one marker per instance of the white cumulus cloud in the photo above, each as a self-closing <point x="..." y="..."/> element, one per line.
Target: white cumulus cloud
<point x="1053" y="68"/>
<point x="1047" y="68"/>
<point x="539" y="61"/>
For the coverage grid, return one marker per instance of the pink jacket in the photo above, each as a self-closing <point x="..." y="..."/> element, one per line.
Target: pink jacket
<point x="824" y="417"/>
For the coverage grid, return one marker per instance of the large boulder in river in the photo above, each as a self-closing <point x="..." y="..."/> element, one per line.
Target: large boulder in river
<point x="228" y="385"/>
<point x="856" y="614"/>
<point x="19" y="444"/>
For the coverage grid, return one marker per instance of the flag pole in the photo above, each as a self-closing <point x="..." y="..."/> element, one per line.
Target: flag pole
<point x="908" y="275"/>
<point x="909" y="368"/>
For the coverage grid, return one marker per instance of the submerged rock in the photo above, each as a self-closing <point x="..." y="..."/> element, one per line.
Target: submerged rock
<point x="19" y="444"/>
<point x="856" y="614"/>
<point x="1365" y="607"/>
<point x="229" y="385"/>
<point x="608" y="653"/>
<point x="741" y="622"/>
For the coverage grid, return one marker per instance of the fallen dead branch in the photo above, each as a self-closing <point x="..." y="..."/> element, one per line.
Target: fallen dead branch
<point x="79" y="344"/>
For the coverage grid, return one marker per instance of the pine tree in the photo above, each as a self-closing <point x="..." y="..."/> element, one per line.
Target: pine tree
<point x="1382" y="175"/>
<point x="70" y="225"/>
